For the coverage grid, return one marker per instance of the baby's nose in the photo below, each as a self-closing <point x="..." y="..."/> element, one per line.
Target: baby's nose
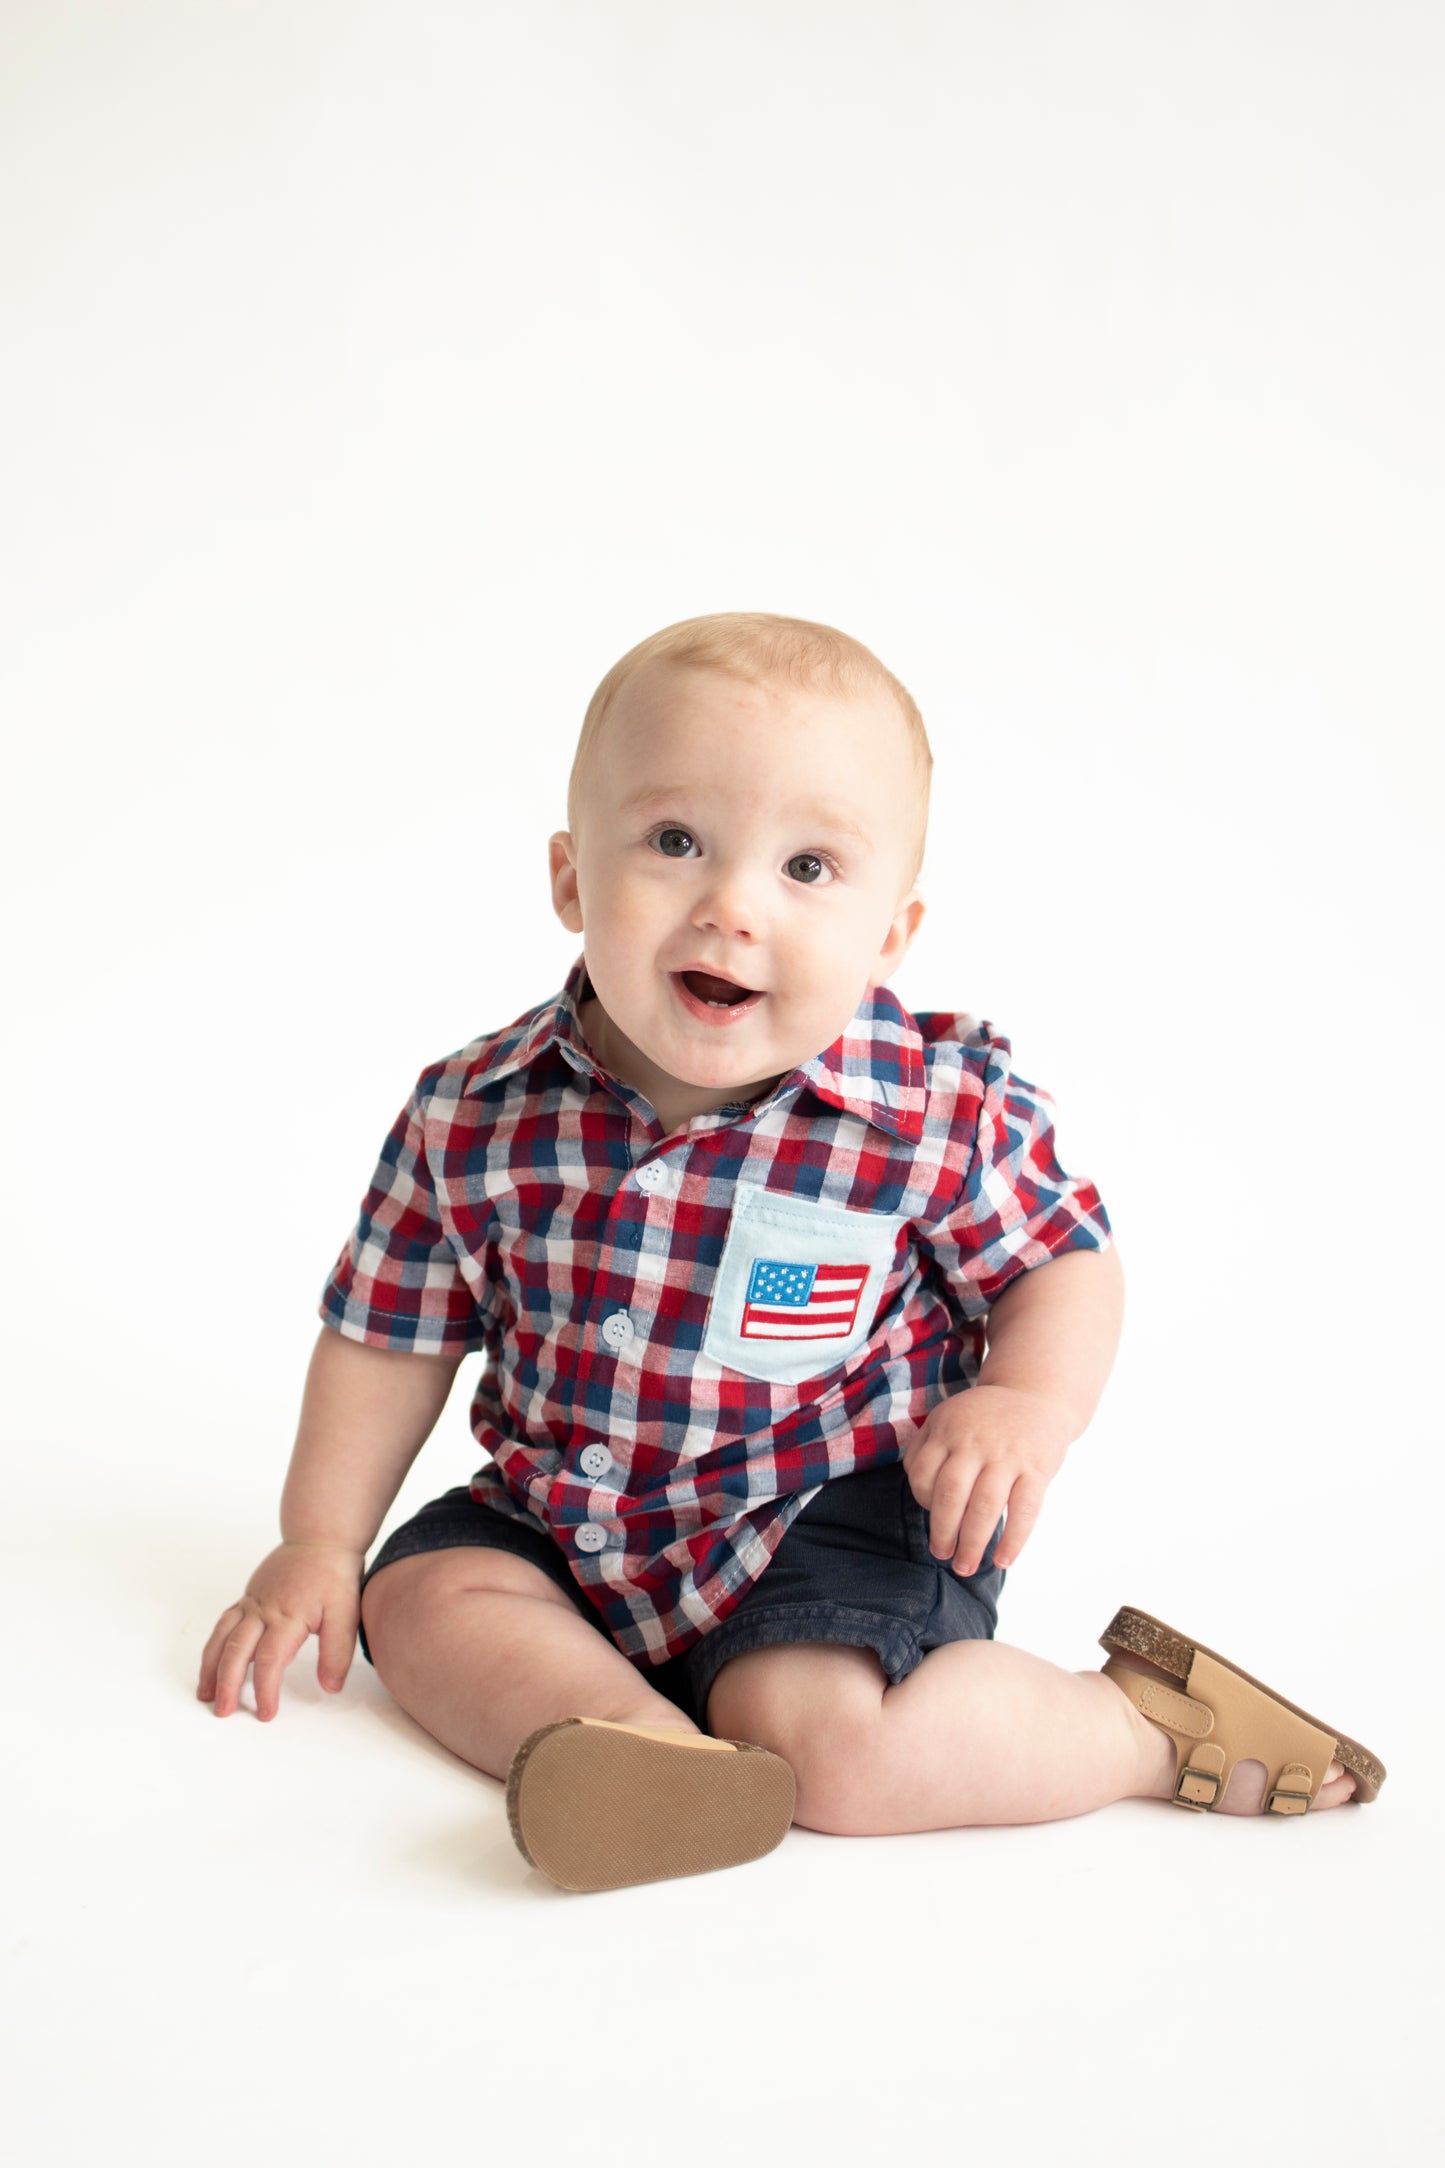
<point x="730" y="905"/>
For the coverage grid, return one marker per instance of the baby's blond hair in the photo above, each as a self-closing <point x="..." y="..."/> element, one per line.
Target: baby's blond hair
<point x="757" y="646"/>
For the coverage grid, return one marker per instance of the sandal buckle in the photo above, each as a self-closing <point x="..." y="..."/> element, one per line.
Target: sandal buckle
<point x="1279" y="1792"/>
<point x="1197" y="1803"/>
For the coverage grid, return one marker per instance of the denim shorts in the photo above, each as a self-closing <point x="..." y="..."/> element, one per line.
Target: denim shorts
<point x="853" y="1567"/>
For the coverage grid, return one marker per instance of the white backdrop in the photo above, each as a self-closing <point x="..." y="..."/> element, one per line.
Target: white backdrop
<point x="373" y="376"/>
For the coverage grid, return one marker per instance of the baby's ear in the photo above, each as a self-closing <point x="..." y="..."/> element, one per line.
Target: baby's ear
<point x="906" y="921"/>
<point x="566" y="901"/>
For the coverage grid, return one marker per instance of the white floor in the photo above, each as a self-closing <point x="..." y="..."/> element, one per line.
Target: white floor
<point x="312" y="1941"/>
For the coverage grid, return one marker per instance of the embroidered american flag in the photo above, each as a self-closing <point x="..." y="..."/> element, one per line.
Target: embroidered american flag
<point x="801" y="1302"/>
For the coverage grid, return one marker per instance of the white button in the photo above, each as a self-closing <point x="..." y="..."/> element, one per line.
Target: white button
<point x="596" y="1460"/>
<point x="590" y="1537"/>
<point x="655" y="1177"/>
<point x="617" y="1329"/>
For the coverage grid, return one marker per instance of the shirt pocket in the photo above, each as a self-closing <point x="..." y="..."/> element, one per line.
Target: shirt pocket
<point x="798" y="1285"/>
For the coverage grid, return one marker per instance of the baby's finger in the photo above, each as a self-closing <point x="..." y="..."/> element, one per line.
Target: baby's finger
<point x="951" y="1495"/>
<point x="210" y="1654"/>
<point x="278" y="1647"/>
<point x="234" y="1660"/>
<point x="985" y="1510"/>
<point x="338" y="1644"/>
<point x="1024" y="1508"/>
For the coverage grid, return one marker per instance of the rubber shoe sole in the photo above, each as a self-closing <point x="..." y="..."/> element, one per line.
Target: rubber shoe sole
<point x="599" y="1806"/>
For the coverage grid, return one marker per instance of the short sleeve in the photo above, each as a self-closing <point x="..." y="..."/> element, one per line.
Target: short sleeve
<point x="397" y="1283"/>
<point x="1017" y="1207"/>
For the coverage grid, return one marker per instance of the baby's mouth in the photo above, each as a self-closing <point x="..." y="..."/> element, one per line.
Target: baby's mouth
<point x="717" y="993"/>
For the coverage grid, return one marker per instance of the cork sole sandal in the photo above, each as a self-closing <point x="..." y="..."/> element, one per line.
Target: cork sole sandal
<point x="600" y="1806"/>
<point x="1224" y="1716"/>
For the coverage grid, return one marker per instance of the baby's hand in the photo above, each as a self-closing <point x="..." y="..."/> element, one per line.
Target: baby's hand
<point x="298" y="1589"/>
<point x="977" y="1453"/>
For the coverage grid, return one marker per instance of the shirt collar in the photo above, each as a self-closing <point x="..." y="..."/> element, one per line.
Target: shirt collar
<point x="555" y="1023"/>
<point x="874" y="1069"/>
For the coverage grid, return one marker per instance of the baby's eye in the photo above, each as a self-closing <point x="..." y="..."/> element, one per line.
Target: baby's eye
<point x="808" y="866"/>
<point x="673" y="842"/>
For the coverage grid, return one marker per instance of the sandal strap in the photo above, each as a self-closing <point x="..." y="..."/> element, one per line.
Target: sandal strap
<point x="1223" y="1719"/>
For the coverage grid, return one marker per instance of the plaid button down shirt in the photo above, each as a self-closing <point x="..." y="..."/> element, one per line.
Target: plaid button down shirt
<point x="684" y="1338"/>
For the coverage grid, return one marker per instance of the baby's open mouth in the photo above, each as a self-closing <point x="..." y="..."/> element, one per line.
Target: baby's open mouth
<point x="717" y="993"/>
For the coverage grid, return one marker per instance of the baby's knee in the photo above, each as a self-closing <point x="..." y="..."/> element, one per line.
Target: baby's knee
<point x="820" y="1708"/>
<point x="402" y="1606"/>
<point x="413" y="1600"/>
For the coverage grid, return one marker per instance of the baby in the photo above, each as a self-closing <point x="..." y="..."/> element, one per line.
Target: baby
<point x="788" y="1315"/>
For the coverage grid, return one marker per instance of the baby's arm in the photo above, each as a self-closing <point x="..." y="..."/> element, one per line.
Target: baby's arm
<point x="365" y="1415"/>
<point x="1052" y="1335"/>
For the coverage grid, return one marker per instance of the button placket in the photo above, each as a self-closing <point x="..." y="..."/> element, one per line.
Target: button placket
<point x="615" y="1332"/>
<point x="659" y="1180"/>
<point x="599" y="1339"/>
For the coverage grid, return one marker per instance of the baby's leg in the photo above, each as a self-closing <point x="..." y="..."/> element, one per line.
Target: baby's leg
<point x="482" y="1649"/>
<point x="979" y="1732"/>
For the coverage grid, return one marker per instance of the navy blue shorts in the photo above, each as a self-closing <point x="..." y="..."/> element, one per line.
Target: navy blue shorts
<point x="854" y="1567"/>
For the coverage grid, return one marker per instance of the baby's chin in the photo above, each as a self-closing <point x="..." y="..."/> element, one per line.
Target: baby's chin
<point x="733" y="1079"/>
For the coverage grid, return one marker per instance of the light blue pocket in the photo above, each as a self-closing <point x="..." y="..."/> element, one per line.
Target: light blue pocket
<point x="798" y="1285"/>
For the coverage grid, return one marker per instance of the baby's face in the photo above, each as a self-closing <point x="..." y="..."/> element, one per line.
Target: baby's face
<point x="740" y="874"/>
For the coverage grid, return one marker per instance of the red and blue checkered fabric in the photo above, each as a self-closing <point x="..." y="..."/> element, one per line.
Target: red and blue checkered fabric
<point x="683" y="1338"/>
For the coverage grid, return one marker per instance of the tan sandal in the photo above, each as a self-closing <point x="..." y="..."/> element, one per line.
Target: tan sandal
<point x="600" y="1806"/>
<point x="1224" y="1716"/>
